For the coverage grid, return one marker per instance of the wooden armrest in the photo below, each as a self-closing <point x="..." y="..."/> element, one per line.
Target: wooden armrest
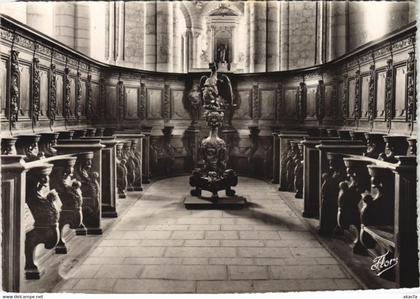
<point x="383" y="234"/>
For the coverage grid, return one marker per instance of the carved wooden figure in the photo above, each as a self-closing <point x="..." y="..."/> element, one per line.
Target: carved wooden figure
<point x="349" y="198"/>
<point x="291" y="164"/>
<point x="70" y="195"/>
<point x="41" y="203"/>
<point x="137" y="159"/>
<point x="47" y="143"/>
<point x="394" y="146"/>
<point x="298" y="171"/>
<point x="8" y="146"/>
<point x="375" y="145"/>
<point x="130" y="165"/>
<point x="329" y="193"/>
<point x="412" y="149"/>
<point x="121" y="171"/>
<point x="147" y="131"/>
<point x="27" y="145"/>
<point x="90" y="191"/>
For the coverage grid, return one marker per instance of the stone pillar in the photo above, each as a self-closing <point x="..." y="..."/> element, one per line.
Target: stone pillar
<point x="251" y="43"/>
<point x="111" y="32"/>
<point x="162" y="35"/>
<point x="150" y="42"/>
<point x="260" y="36"/>
<point x="13" y="235"/>
<point x="64" y="17"/>
<point x="121" y="31"/>
<point x="187" y="49"/>
<point x="284" y="35"/>
<point x="196" y="33"/>
<point x="273" y="34"/>
<point x="82" y="34"/>
<point x="321" y="32"/>
<point x="176" y="40"/>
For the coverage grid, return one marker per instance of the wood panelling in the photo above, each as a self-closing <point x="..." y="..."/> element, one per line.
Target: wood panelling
<point x="245" y="108"/>
<point x="132" y="99"/>
<point x="154" y="103"/>
<point x="267" y="104"/>
<point x="177" y="106"/>
<point x="400" y="99"/>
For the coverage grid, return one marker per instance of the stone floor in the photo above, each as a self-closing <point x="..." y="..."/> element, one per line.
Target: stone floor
<point x="158" y="246"/>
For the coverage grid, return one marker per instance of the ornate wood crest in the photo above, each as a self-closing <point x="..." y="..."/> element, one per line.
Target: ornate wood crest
<point x="301" y="94"/>
<point x="14" y="96"/>
<point x="121" y="98"/>
<point x="77" y="110"/>
<point x="357" y="96"/>
<point x="411" y="87"/>
<point x="320" y="101"/>
<point x="67" y="94"/>
<point x="35" y="99"/>
<point x="52" y="94"/>
<point x="372" y="95"/>
<point x="389" y="93"/>
<point x="89" y="108"/>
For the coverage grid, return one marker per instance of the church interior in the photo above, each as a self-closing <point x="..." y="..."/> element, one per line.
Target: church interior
<point x="208" y="146"/>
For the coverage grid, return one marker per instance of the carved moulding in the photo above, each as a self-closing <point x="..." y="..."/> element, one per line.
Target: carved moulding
<point x="255" y="102"/>
<point x="89" y="106"/>
<point x="121" y="99"/>
<point x="142" y="105"/>
<point x="320" y="101"/>
<point x="301" y="94"/>
<point x="357" y="96"/>
<point x="372" y="93"/>
<point x="344" y="99"/>
<point x="14" y="96"/>
<point x="411" y="88"/>
<point x="389" y="93"/>
<point x="77" y="110"/>
<point x="166" y="103"/>
<point x="52" y="94"/>
<point x="67" y="94"/>
<point x="35" y="99"/>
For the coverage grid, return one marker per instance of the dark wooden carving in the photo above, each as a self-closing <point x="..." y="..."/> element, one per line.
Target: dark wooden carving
<point x="8" y="146"/>
<point x="255" y="102"/>
<point x="67" y="94"/>
<point x="45" y="214"/>
<point x="90" y="192"/>
<point x="394" y="146"/>
<point x="291" y="164"/>
<point x="329" y="193"/>
<point x="357" y="96"/>
<point x="320" y="101"/>
<point x="13" y="106"/>
<point x="121" y="171"/>
<point x="344" y="99"/>
<point x="121" y="99"/>
<point x="102" y="100"/>
<point x="350" y="197"/>
<point x="253" y="137"/>
<point x="27" y="145"/>
<point x="166" y="103"/>
<point x="89" y="105"/>
<point x="71" y="198"/>
<point x="131" y="167"/>
<point x="47" y="143"/>
<point x="411" y="87"/>
<point x="137" y="159"/>
<point x="301" y="94"/>
<point x="279" y="100"/>
<point x="77" y="107"/>
<point x="52" y="94"/>
<point x="375" y="145"/>
<point x="412" y="149"/>
<point x="389" y="93"/>
<point x="371" y="113"/>
<point x="298" y="171"/>
<point x="163" y="152"/>
<point x="142" y="104"/>
<point x="36" y="96"/>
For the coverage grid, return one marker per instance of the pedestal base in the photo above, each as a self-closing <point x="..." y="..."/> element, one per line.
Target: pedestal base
<point x="223" y="203"/>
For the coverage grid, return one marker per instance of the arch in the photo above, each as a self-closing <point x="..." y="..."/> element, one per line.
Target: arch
<point x="186" y="14"/>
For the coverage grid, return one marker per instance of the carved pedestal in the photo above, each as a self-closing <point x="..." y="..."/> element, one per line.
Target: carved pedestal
<point x="350" y="196"/>
<point x="121" y="171"/>
<point x="41" y="203"/>
<point x="88" y="170"/>
<point x="146" y="130"/>
<point x="13" y="181"/>
<point x="70" y="194"/>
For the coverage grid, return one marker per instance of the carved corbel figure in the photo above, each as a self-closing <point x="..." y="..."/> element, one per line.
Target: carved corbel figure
<point x="411" y="87"/>
<point x="41" y="203"/>
<point x="320" y="101"/>
<point x="13" y="106"/>
<point x="298" y="171"/>
<point x="349" y="197"/>
<point x="193" y="105"/>
<point x="389" y="96"/>
<point x="137" y="159"/>
<point x="375" y="145"/>
<point x="47" y="143"/>
<point x="28" y="145"/>
<point x="8" y="146"/>
<point x="35" y="98"/>
<point x="335" y="173"/>
<point x="371" y="113"/>
<point x="300" y="101"/>
<point x="131" y="167"/>
<point x="90" y="192"/>
<point x="412" y="149"/>
<point x="121" y="171"/>
<point x="291" y="164"/>
<point x="71" y="198"/>
<point x="394" y="146"/>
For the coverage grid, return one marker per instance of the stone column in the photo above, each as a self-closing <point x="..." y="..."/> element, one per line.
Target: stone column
<point x="111" y="32"/>
<point x="187" y="49"/>
<point x="162" y="36"/>
<point x="273" y="33"/>
<point x="13" y="235"/>
<point x="121" y="31"/>
<point x="150" y="36"/>
<point x="321" y="32"/>
<point x="284" y="35"/>
<point x="176" y="40"/>
<point x="251" y="43"/>
<point x="260" y="36"/>
<point x="82" y="33"/>
<point x="194" y="50"/>
<point x="40" y="15"/>
<point x="64" y="17"/>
